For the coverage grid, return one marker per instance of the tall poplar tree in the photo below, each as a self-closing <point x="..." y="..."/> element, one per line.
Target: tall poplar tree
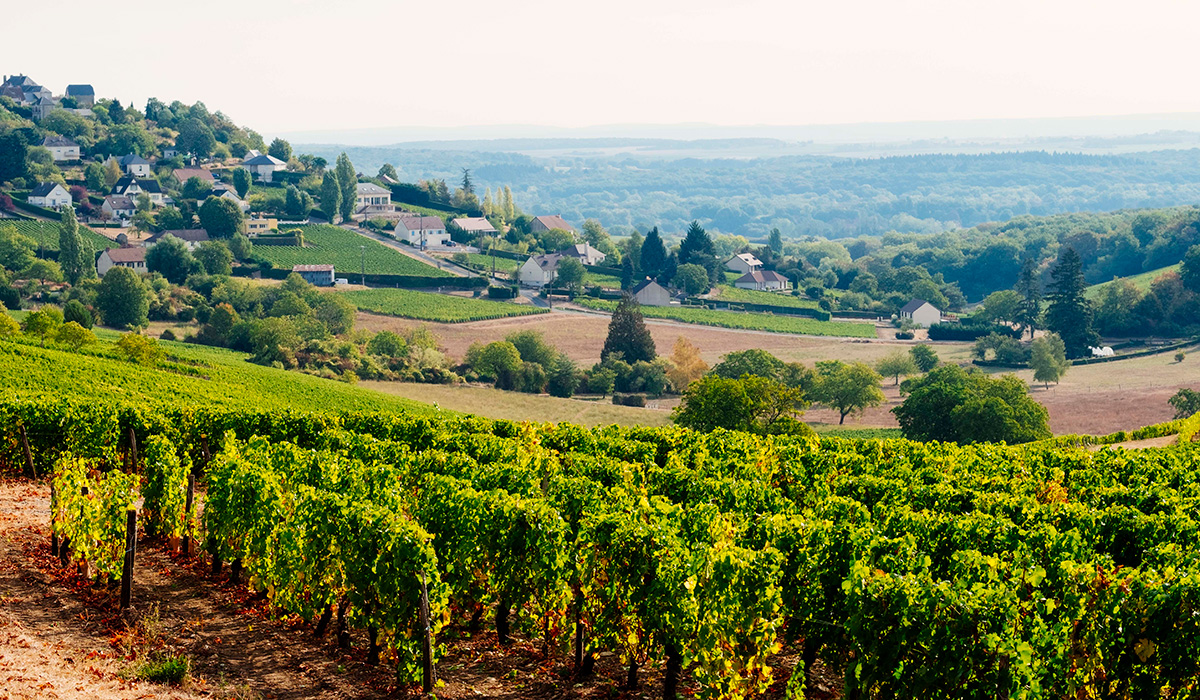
<point x="627" y="333"/>
<point x="348" y="179"/>
<point x="510" y="209"/>
<point x="331" y="196"/>
<point x="1030" y="290"/>
<point x="74" y="256"/>
<point x="1070" y="312"/>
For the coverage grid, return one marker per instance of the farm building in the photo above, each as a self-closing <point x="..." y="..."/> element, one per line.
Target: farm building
<point x="131" y="257"/>
<point x="743" y="262"/>
<point x="50" y="195"/>
<point x="921" y="313"/>
<point x="316" y="275"/>
<point x="651" y="293"/>
<point x="762" y="280"/>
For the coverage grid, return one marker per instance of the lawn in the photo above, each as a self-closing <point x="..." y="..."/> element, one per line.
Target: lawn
<point x="326" y="244"/>
<point x="750" y="296"/>
<point x="442" y="308"/>
<point x="45" y="233"/>
<point x="746" y="321"/>
<point x="1142" y="281"/>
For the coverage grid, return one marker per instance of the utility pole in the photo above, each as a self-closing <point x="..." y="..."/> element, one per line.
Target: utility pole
<point x="364" y="264"/>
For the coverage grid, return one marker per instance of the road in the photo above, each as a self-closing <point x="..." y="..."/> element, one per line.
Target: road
<point x="412" y="252"/>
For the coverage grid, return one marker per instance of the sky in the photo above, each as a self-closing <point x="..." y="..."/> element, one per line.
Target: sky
<point x="281" y="66"/>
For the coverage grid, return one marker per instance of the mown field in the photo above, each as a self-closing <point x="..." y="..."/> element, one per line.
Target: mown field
<point x="325" y="244"/>
<point x="745" y="321"/>
<point x="1142" y="281"/>
<point x="223" y="378"/>
<point x="441" y="308"/>
<point x="732" y="294"/>
<point x="45" y="233"/>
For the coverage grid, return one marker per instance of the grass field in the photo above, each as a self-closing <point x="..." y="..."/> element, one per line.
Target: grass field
<point x="442" y="308"/>
<point x="750" y="296"/>
<point x="746" y="321"/>
<point x="45" y="233"/>
<point x="509" y="267"/>
<point x="325" y="244"/>
<point x="228" y="380"/>
<point x="1142" y="281"/>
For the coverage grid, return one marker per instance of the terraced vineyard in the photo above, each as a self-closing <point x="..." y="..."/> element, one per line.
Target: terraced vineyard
<point x="45" y="233"/>
<point x="734" y="295"/>
<point x="745" y="321"/>
<point x="441" y="308"/>
<point x="326" y="244"/>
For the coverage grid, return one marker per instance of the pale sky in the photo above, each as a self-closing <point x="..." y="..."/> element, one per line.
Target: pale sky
<point x="284" y="66"/>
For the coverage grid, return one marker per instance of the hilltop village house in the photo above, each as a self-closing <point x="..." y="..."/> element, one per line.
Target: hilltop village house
<point x="50" y="195"/>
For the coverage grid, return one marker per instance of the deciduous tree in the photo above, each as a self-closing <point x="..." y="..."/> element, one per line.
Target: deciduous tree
<point x="221" y="218"/>
<point x="897" y="364"/>
<point x="1048" y="359"/>
<point x="846" y="388"/>
<point x="686" y="364"/>
<point x="241" y="181"/>
<point x="122" y="299"/>
<point x="348" y="180"/>
<point x="925" y="357"/>
<point x="280" y="149"/>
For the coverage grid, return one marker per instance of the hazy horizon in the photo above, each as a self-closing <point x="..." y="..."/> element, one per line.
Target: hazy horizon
<point x="309" y="67"/>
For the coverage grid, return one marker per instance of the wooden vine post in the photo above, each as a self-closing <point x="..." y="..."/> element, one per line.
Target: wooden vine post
<point x="28" y="452"/>
<point x="130" y="549"/>
<point x="187" y="515"/>
<point x="427" y="671"/>
<point x="53" y="532"/>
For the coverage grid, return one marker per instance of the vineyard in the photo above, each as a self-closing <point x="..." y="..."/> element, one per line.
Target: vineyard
<point x="745" y="321"/>
<point x="735" y="295"/>
<point x="332" y="245"/>
<point x="45" y="233"/>
<point x="919" y="570"/>
<point x="441" y="308"/>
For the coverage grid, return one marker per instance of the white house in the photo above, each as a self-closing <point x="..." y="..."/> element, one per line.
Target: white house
<point x="224" y="193"/>
<point x="743" y="262"/>
<point x="546" y="223"/>
<point x="921" y="313"/>
<point x="133" y="258"/>
<point x="316" y="275"/>
<point x="264" y="166"/>
<point x="368" y="194"/>
<point x="651" y="293"/>
<point x="133" y="164"/>
<point x="191" y="237"/>
<point x="50" y="195"/>
<point x="129" y="186"/>
<point x="762" y="280"/>
<point x="584" y="253"/>
<point x="118" y="206"/>
<point x="61" y="147"/>
<point x="539" y="270"/>
<point x="422" y="231"/>
<point x="476" y="225"/>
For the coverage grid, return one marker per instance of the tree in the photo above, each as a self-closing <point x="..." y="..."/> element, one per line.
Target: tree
<point x="195" y="137"/>
<point x="75" y="312"/>
<point x="925" y="357"/>
<point x="1189" y="271"/>
<point x="240" y="246"/>
<point x="122" y="299"/>
<point x="593" y="232"/>
<point x="846" y="388"/>
<point x="241" y="181"/>
<point x="1048" y="358"/>
<point x="752" y="404"/>
<point x="112" y="173"/>
<point x="691" y="278"/>
<point x="387" y="170"/>
<point x="331" y="196"/>
<point x="280" y="149"/>
<point x="16" y="249"/>
<point x="387" y="344"/>
<point x="336" y="312"/>
<point x="468" y="185"/>
<point x="196" y="189"/>
<point x="686" y="364"/>
<point x="775" y="241"/>
<point x="570" y="274"/>
<point x="1186" y="403"/>
<point x="1030" y="291"/>
<point x="74" y="335"/>
<point x="653" y="255"/>
<point x="499" y="361"/>
<point x="1002" y="306"/>
<point x="43" y="322"/>
<point x="952" y="404"/>
<point x="215" y="257"/>
<point x="220" y="217"/>
<point x="627" y="334"/>
<point x="138" y="348"/>
<point x="348" y="180"/>
<point x="562" y="376"/>
<point x="13" y="148"/>
<point x="754" y="362"/>
<point x="171" y="258"/>
<point x="1070" y="312"/>
<point x="627" y="275"/>
<point x="697" y="244"/>
<point x="74" y="256"/>
<point x="8" y="325"/>
<point x="93" y="177"/>
<point x="294" y="203"/>
<point x="897" y="364"/>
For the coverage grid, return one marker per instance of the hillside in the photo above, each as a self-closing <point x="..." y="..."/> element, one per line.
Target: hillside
<point x="225" y="379"/>
<point x="348" y="252"/>
<point x="1142" y="282"/>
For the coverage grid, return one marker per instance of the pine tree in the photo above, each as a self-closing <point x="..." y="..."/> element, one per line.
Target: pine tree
<point x="331" y="196"/>
<point x="697" y="246"/>
<point x="627" y="275"/>
<point x="348" y="180"/>
<point x="73" y="255"/>
<point x="627" y="333"/>
<point x="1031" y="297"/>
<point x="1070" y="312"/>
<point x="653" y="258"/>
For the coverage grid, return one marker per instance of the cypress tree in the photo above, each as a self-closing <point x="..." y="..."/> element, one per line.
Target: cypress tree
<point x="73" y="255"/>
<point x="331" y="196"/>
<point x="1070" y="313"/>
<point x="348" y="180"/>
<point x="653" y="257"/>
<point x="627" y="333"/>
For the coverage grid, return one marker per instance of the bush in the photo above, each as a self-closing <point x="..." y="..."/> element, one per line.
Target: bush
<point x="636" y="400"/>
<point x="502" y="292"/>
<point x="905" y="335"/>
<point x="167" y="335"/>
<point x="969" y="331"/>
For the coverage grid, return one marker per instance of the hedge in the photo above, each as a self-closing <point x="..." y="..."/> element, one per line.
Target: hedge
<point x="1156" y="350"/>
<point x="494" y="292"/>
<point x="379" y="280"/>
<point x="35" y="209"/>
<point x="962" y="331"/>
